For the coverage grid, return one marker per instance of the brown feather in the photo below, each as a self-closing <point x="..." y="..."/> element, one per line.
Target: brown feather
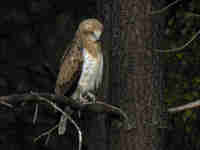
<point x="72" y="60"/>
<point x="70" y="69"/>
<point x="94" y="48"/>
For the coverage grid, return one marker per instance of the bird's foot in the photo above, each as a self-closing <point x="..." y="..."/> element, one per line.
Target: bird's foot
<point x="91" y="97"/>
<point x="83" y="99"/>
<point x="86" y="98"/>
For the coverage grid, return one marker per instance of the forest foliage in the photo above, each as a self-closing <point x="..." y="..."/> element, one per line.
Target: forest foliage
<point x="181" y="70"/>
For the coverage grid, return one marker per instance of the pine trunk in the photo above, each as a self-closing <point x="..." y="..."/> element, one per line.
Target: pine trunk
<point x="135" y="76"/>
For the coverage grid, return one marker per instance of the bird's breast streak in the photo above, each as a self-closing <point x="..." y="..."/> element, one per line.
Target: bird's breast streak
<point x="90" y="72"/>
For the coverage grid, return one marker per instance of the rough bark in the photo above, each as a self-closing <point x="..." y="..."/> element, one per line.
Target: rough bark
<point x="139" y="77"/>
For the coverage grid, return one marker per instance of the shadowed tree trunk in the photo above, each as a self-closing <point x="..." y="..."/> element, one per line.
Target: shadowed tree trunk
<point x="135" y="75"/>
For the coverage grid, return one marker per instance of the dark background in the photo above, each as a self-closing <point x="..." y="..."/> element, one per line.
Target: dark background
<point x="33" y="36"/>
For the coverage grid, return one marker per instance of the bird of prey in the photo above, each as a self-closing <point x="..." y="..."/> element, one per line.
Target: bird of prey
<point x="81" y="67"/>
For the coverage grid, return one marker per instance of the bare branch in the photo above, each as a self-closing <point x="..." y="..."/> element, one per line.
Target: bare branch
<point x="66" y="115"/>
<point x="35" y="116"/>
<point x="191" y="14"/>
<point x="109" y="109"/>
<point x="14" y="100"/>
<point x="184" y="107"/>
<point x="179" y="48"/>
<point x="6" y="104"/>
<point x="48" y="132"/>
<point x="164" y="8"/>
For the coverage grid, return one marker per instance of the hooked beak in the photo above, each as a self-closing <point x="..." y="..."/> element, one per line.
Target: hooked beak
<point x="97" y="35"/>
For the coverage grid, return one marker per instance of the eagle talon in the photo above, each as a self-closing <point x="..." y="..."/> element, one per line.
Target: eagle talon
<point x="91" y="97"/>
<point x="83" y="99"/>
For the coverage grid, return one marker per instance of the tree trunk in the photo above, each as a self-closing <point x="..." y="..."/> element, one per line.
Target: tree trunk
<point x="139" y="75"/>
<point x="135" y="76"/>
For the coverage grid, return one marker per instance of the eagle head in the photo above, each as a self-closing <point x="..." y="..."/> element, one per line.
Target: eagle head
<point x="91" y="29"/>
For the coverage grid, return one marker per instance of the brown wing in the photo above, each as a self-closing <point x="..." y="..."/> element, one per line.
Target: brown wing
<point x="70" y="69"/>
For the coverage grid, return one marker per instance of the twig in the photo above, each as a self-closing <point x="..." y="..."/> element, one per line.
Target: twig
<point x="191" y="14"/>
<point x="48" y="132"/>
<point x="110" y="108"/>
<point x="47" y="139"/>
<point x="67" y="116"/>
<point x="185" y="107"/>
<point x="6" y="104"/>
<point x="35" y="116"/>
<point x="164" y="8"/>
<point x="178" y="48"/>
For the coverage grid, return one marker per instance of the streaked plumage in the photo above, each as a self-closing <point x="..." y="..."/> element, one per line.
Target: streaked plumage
<point x="81" y="67"/>
<point x="82" y="63"/>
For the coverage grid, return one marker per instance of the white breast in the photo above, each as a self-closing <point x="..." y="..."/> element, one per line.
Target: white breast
<point x="92" y="72"/>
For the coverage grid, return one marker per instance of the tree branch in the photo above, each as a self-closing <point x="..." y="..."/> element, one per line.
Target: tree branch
<point x="185" y="107"/>
<point x="164" y="8"/>
<point x="179" y="48"/>
<point x="15" y="100"/>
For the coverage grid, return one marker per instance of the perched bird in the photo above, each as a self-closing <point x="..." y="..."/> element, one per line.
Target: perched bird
<point x="81" y="67"/>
